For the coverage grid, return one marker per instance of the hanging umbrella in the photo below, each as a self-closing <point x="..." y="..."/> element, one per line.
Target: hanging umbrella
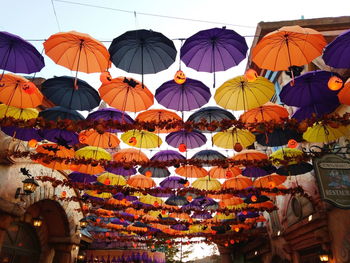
<point x="160" y="192"/>
<point x="315" y="110"/>
<point x="201" y="215"/>
<point x="63" y="91"/>
<point x="60" y="113"/>
<point x="269" y="181"/>
<point x="288" y="46"/>
<point x="285" y="156"/>
<point x="121" y="170"/>
<point x="191" y="139"/>
<point x="180" y="227"/>
<point x="60" y="136"/>
<point x="18" y="55"/>
<point x="141" y="181"/>
<point x="249" y="155"/>
<point x="208" y="155"/>
<point x="111" y="179"/>
<point x="142" y="52"/>
<point x="255" y="199"/>
<point x="325" y="133"/>
<point x="253" y="171"/>
<point x="95" y="138"/>
<point x="191" y="171"/>
<point x="309" y="88"/>
<point x="278" y="137"/>
<point x="159" y="116"/>
<point x="156" y="172"/>
<point x="151" y="200"/>
<point x="336" y="53"/>
<point x="173" y="182"/>
<point x="52" y="149"/>
<point x="206" y="183"/>
<point x="190" y="95"/>
<point x="77" y="51"/>
<point x="224" y="173"/>
<point x="24" y="134"/>
<point x="18" y="113"/>
<point x="265" y="113"/>
<point x="240" y="94"/>
<point x="234" y="200"/>
<point x="141" y="139"/>
<point x="295" y="169"/>
<point x="130" y="155"/>
<point x="126" y="94"/>
<point x="92" y="152"/>
<point x="213" y="50"/>
<point x="167" y="155"/>
<point x="77" y="177"/>
<point x="204" y="202"/>
<point x="18" y="92"/>
<point x="239" y="182"/>
<point x="210" y="114"/>
<point x="179" y="215"/>
<point x="229" y="138"/>
<point x="176" y="201"/>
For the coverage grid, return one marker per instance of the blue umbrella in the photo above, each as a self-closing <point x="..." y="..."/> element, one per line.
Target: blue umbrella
<point x="318" y="109"/>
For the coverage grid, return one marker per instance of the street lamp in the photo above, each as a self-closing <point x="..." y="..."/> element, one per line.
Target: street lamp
<point x="37" y="221"/>
<point x="83" y="223"/>
<point x="324" y="256"/>
<point x="29" y="187"/>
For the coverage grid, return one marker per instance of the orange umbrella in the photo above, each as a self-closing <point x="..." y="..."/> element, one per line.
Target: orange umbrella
<point x="141" y="181"/>
<point x="87" y="168"/>
<point x="182" y="216"/>
<point x="55" y="150"/>
<point x="282" y="187"/>
<point x="224" y="173"/>
<point x="266" y="205"/>
<point x="98" y="139"/>
<point x="159" y="116"/>
<point x="18" y="92"/>
<point x="191" y="171"/>
<point x="267" y="112"/>
<point x="249" y="155"/>
<point x="220" y="196"/>
<point x="77" y="51"/>
<point x="231" y="201"/>
<point x="288" y="46"/>
<point x="130" y="155"/>
<point x="237" y="183"/>
<point x="269" y="181"/>
<point x="126" y="94"/>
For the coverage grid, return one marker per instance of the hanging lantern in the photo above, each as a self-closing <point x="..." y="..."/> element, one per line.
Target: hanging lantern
<point x="83" y="223"/>
<point x="271" y="184"/>
<point x="153" y="247"/>
<point x="254" y="198"/>
<point x="238" y="147"/>
<point x="182" y="147"/>
<point x="37" y="221"/>
<point x="213" y="232"/>
<point x="232" y="241"/>
<point x="148" y="173"/>
<point x="134" y="245"/>
<point x="105" y="77"/>
<point x="229" y="174"/>
<point x="187" y="184"/>
<point x="63" y="194"/>
<point x="335" y="83"/>
<point x="251" y="75"/>
<point x="29" y="87"/>
<point x="237" y="229"/>
<point x="32" y="143"/>
<point x="98" y="220"/>
<point x="180" y="77"/>
<point x="189" y="198"/>
<point x="133" y="141"/>
<point x="107" y="234"/>
<point x="107" y="181"/>
<point x="226" y="244"/>
<point x="292" y="143"/>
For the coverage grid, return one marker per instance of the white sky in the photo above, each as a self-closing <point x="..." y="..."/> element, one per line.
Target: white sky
<point x="35" y="19"/>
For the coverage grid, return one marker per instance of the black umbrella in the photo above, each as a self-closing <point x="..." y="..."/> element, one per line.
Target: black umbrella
<point x="295" y="169"/>
<point x="278" y="137"/>
<point x="142" y="52"/>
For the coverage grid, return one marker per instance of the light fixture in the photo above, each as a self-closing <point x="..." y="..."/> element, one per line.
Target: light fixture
<point x="29" y="187"/>
<point x="324" y="256"/>
<point x="310" y="218"/>
<point x="81" y="257"/>
<point x="83" y="223"/>
<point x="256" y="253"/>
<point x="37" y="221"/>
<point x="278" y="232"/>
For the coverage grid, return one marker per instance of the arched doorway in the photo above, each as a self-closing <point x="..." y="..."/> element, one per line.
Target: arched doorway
<point x="21" y="244"/>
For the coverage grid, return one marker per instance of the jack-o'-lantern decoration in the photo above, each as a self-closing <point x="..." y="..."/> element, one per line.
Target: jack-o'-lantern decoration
<point x="251" y="75"/>
<point x="98" y="220"/>
<point x="213" y="232"/>
<point x="105" y="77"/>
<point x="153" y="247"/>
<point x="180" y="77"/>
<point x="163" y="212"/>
<point x="29" y="87"/>
<point x="271" y="184"/>
<point x="254" y="198"/>
<point x="292" y="143"/>
<point x="148" y="174"/>
<point x="107" y="181"/>
<point x="133" y="141"/>
<point x="229" y="174"/>
<point x="238" y="147"/>
<point x="32" y="143"/>
<point x="168" y="241"/>
<point x="226" y="244"/>
<point x="232" y="241"/>
<point x="335" y="83"/>
<point x="245" y="213"/>
<point x="236" y="229"/>
<point x="189" y="198"/>
<point x="187" y="184"/>
<point x="182" y="147"/>
<point x="107" y="234"/>
<point x="156" y="204"/>
<point x="64" y="194"/>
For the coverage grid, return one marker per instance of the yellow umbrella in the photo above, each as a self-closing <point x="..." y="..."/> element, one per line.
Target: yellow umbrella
<point x="206" y="183"/>
<point x="325" y="133"/>
<point x="96" y="194"/>
<point x="92" y="152"/>
<point x="151" y="200"/>
<point x="239" y="94"/>
<point x="141" y="139"/>
<point x="285" y="156"/>
<point x="228" y="139"/>
<point x="111" y="179"/>
<point x="18" y="113"/>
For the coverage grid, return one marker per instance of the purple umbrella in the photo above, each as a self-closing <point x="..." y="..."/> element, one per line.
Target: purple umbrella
<point x="309" y="88"/>
<point x="121" y="170"/>
<point x="159" y="192"/>
<point x="214" y="50"/>
<point x="319" y="109"/>
<point x="192" y="139"/>
<point x="253" y="171"/>
<point x="157" y="172"/>
<point x="24" y="134"/>
<point x="173" y="182"/>
<point x="140" y="205"/>
<point x="336" y="53"/>
<point x="201" y="215"/>
<point x="77" y="177"/>
<point x="167" y="155"/>
<point x="18" y="55"/>
<point x="60" y="135"/>
<point x="121" y="196"/>
<point x="180" y="227"/>
<point x="191" y="95"/>
<point x="203" y="201"/>
<point x="176" y="201"/>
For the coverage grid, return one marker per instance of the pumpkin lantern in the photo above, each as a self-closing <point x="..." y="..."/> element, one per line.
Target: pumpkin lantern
<point x="251" y="75"/>
<point x="182" y="147"/>
<point x="148" y="174"/>
<point x="189" y="198"/>
<point x="254" y="198"/>
<point x="335" y="83"/>
<point x="133" y="141"/>
<point x="292" y="143"/>
<point x="105" y="77"/>
<point x="180" y="77"/>
<point x="238" y="147"/>
<point x="33" y="143"/>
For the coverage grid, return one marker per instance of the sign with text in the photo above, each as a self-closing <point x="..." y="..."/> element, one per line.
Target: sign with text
<point x="333" y="176"/>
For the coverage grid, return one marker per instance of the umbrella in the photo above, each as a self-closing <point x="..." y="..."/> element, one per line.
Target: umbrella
<point x="24" y="134"/>
<point x="18" y="55"/>
<point x="208" y="155"/>
<point x="52" y="149"/>
<point x="141" y="139"/>
<point x="190" y="95"/>
<point x="201" y="215"/>
<point x="295" y="169"/>
<point x="167" y="155"/>
<point x="229" y="138"/>
<point x="224" y="173"/>
<point x="249" y="155"/>
<point x="253" y="199"/>
<point x="309" y="88"/>
<point x="156" y="172"/>
<point x="325" y="133"/>
<point x="77" y="51"/>
<point x="121" y="170"/>
<point x="213" y="50"/>
<point x="93" y="152"/>
<point x="191" y="171"/>
<point x="176" y="201"/>
<point x="288" y="46"/>
<point x="95" y="138"/>
<point x="253" y="171"/>
<point x="204" y="202"/>
<point x="18" y="92"/>
<point x="206" y="183"/>
<point x="179" y="215"/>
<point x="278" y="137"/>
<point x="111" y="179"/>
<point x="269" y="181"/>
<point x="285" y="156"/>
<point x="240" y="94"/>
<point x="159" y="116"/>
<point x="60" y="136"/>
<point x="151" y="200"/>
<point x="336" y="53"/>
<point x="234" y="200"/>
<point x="18" y="113"/>
<point x="173" y="182"/>
<point x="192" y="139"/>
<point x="77" y="177"/>
<point x="239" y="182"/>
<point x="130" y="155"/>
<point x="211" y="114"/>
<point x="63" y="91"/>
<point x="160" y="192"/>
<point x="60" y="113"/>
<point x="180" y="227"/>
<point x="142" y="52"/>
<point x="141" y="181"/>
<point x="315" y="110"/>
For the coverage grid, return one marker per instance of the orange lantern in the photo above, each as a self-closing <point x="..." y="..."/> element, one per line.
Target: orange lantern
<point x="29" y="87"/>
<point x="254" y="198"/>
<point x="292" y="143"/>
<point x="272" y="184"/>
<point x="107" y="234"/>
<point x="105" y="77"/>
<point x="153" y="247"/>
<point x="238" y="147"/>
<point x="180" y="77"/>
<point x="98" y="220"/>
<point x="237" y="229"/>
<point x="251" y="75"/>
<point x="33" y="143"/>
<point x="63" y="194"/>
<point x="148" y="173"/>
<point x="335" y="83"/>
<point x="189" y="198"/>
<point x="134" y="245"/>
<point x="213" y="232"/>
<point x="232" y="241"/>
<point x="133" y="141"/>
<point x="182" y="147"/>
<point x="226" y="244"/>
<point x="107" y="181"/>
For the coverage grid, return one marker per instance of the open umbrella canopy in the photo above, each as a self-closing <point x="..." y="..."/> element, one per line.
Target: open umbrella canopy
<point x="240" y="94"/>
<point x="141" y="181"/>
<point x="18" y="92"/>
<point x="278" y="137"/>
<point x="94" y="138"/>
<point x="93" y="152"/>
<point x="206" y="183"/>
<point x="253" y="171"/>
<point x="201" y="215"/>
<point x="191" y="139"/>
<point x="191" y="171"/>
<point x="288" y="46"/>
<point x="77" y="51"/>
<point x="60" y="113"/>
<point x="60" y="136"/>
<point x="336" y="53"/>
<point x="295" y="169"/>
<point x="224" y="173"/>
<point x="173" y="182"/>
<point x="127" y="171"/>
<point x="130" y="155"/>
<point x="56" y="150"/>
<point x="269" y="181"/>
<point x="82" y="178"/>
<point x="237" y="183"/>
<point x="176" y="201"/>
<point x="111" y="179"/>
<point x="249" y="155"/>
<point x="155" y="172"/>
<point x="167" y="155"/>
<point x="315" y="110"/>
<point x="141" y="139"/>
<point x="159" y="116"/>
<point x="229" y="138"/>
<point x="208" y="155"/>
<point x="18" y="55"/>
<point x="190" y="95"/>
<point x="24" y="134"/>
<point x="18" y="113"/>
<point x="285" y="156"/>
<point x="63" y="91"/>
<point x="325" y="133"/>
